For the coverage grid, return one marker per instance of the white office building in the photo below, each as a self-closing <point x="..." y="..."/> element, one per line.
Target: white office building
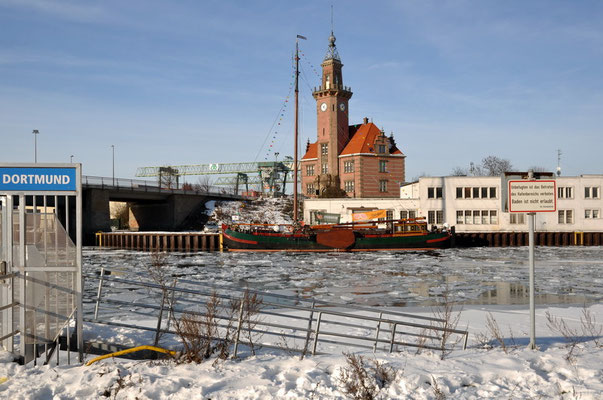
<point x="478" y="204"/>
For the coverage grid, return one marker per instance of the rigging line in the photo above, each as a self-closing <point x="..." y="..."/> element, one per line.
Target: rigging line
<point x="275" y="120"/>
<point x="305" y="80"/>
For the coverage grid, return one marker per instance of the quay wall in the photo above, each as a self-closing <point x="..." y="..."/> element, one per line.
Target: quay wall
<point x="512" y="239"/>
<point x="160" y="241"/>
<point x="200" y="241"/>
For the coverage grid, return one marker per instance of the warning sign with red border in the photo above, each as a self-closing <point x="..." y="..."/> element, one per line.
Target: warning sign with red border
<point x="532" y="196"/>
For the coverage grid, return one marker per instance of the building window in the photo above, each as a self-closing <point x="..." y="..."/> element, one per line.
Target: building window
<point x="565" y="192"/>
<point x="381" y="148"/>
<point x="389" y="215"/>
<point x="324" y="149"/>
<point x="310" y="189"/>
<point x="325" y="168"/>
<point x="348" y="186"/>
<point x="468" y="218"/>
<point x="408" y="214"/>
<point x="484" y="191"/>
<point x="459" y="217"/>
<point x="434" y="192"/>
<point x="431" y="217"/>
<point x="493" y="216"/>
<point x="493" y="193"/>
<point x="591" y="214"/>
<point x="485" y="217"/>
<point x="459" y="192"/>
<point x="476" y="193"/>
<point x="439" y="216"/>
<point x="348" y="166"/>
<point x="310" y="170"/>
<point x="591" y="192"/>
<point x="382" y="166"/>
<point x="467" y="193"/>
<point x="517" y="218"/>
<point x="565" y="216"/>
<point x="476" y="217"/>
<point x="383" y="186"/>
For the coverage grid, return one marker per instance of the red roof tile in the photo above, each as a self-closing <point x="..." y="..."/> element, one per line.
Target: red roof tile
<point x="312" y="151"/>
<point x="363" y="141"/>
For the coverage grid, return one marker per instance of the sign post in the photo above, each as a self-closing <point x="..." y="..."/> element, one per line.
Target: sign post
<point x="532" y="196"/>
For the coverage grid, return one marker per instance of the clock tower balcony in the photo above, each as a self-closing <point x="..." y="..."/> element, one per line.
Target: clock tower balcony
<point x="335" y="90"/>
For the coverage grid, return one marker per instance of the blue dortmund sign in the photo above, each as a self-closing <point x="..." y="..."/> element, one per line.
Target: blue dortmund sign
<point x="37" y="179"/>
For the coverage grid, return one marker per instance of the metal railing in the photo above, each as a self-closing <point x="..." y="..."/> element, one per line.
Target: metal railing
<point x="146" y="186"/>
<point x="284" y="322"/>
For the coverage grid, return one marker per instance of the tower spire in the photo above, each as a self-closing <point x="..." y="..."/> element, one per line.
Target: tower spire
<point x="332" y="53"/>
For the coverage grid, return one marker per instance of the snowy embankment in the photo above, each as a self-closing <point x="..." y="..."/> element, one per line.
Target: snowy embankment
<point x="464" y="374"/>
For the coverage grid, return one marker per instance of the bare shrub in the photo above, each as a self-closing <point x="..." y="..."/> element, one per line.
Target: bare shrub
<point x="492" y="327"/>
<point x="437" y="391"/>
<point x="361" y="381"/>
<point x="589" y="326"/>
<point x="449" y="319"/>
<point x="421" y="341"/>
<point x="197" y="332"/>
<point x="570" y="335"/>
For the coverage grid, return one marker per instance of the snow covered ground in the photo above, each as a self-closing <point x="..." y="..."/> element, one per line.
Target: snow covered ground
<point x="474" y="373"/>
<point x="478" y="277"/>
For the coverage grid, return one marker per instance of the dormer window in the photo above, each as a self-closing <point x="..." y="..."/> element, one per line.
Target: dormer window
<point x="381" y="148"/>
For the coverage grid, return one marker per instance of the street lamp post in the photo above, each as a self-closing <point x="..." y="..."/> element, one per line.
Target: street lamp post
<point x="71" y="159"/>
<point x="36" y="133"/>
<point x="113" y="152"/>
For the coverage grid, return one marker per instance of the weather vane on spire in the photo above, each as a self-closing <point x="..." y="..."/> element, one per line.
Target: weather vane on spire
<point x="332" y="50"/>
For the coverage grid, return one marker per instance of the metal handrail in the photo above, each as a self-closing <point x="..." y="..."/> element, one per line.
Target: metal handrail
<point x="317" y="326"/>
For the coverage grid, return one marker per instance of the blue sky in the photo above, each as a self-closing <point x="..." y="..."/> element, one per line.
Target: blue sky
<point x="192" y="82"/>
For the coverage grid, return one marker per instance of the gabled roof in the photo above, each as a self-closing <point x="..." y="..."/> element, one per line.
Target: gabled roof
<point x="363" y="141"/>
<point x="311" y="152"/>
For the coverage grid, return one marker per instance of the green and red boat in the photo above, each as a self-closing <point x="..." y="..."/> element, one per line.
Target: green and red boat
<point x="411" y="234"/>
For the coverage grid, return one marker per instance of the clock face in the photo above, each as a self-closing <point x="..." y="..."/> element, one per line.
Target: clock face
<point x="342" y="106"/>
<point x="323" y="106"/>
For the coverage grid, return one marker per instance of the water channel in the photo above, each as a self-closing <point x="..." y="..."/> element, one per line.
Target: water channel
<point x="470" y="276"/>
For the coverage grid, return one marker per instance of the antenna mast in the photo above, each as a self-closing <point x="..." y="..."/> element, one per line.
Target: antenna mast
<point x="558" y="162"/>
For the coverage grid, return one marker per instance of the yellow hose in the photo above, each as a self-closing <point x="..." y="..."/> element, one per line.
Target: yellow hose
<point x="132" y="350"/>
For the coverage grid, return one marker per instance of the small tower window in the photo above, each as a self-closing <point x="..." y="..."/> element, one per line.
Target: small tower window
<point x="328" y="82"/>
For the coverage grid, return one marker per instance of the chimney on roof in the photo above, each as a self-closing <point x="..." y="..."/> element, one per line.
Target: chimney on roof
<point x="365" y="120"/>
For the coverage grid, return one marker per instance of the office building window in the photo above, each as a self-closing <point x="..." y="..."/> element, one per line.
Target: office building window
<point x="459" y="217"/>
<point x="431" y="217"/>
<point x="565" y="216"/>
<point x="459" y="192"/>
<point x="591" y="192"/>
<point x="493" y="192"/>
<point x="517" y="218"/>
<point x="434" y="193"/>
<point x="439" y="216"/>
<point x="493" y="217"/>
<point x="565" y="192"/>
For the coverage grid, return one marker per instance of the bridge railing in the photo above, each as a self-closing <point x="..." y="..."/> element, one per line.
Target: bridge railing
<point x="144" y="186"/>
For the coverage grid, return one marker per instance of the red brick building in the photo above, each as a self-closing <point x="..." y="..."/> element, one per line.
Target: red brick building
<point x="354" y="161"/>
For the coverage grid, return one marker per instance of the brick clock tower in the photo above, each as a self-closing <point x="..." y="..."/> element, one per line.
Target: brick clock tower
<point x="332" y="119"/>
<point x="347" y="160"/>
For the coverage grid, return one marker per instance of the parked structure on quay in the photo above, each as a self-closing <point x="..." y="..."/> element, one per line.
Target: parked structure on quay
<point x="474" y="206"/>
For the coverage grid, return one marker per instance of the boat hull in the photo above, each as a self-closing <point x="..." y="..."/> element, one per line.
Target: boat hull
<point x="307" y="242"/>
